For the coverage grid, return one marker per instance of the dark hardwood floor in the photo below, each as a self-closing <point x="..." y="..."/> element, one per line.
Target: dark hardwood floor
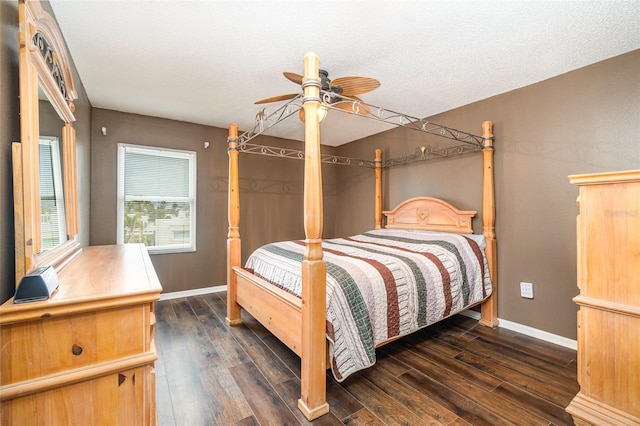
<point x="452" y="373"/>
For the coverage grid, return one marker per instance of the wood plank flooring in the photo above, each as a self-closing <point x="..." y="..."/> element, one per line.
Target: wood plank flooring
<point x="452" y="373"/>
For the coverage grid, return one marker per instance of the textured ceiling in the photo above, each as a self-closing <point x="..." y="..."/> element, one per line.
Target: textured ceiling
<point x="208" y="61"/>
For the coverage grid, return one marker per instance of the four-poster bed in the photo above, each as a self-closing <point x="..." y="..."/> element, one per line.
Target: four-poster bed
<point x="300" y="321"/>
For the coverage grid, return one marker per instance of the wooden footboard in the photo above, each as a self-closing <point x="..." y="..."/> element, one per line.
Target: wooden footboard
<point x="279" y="311"/>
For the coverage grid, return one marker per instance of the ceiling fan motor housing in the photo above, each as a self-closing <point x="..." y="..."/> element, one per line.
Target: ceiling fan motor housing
<point x="328" y="87"/>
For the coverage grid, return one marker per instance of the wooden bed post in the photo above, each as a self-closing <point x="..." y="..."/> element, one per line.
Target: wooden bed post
<point x="378" y="200"/>
<point x="313" y="398"/>
<point x="489" y="309"/>
<point x="233" y="238"/>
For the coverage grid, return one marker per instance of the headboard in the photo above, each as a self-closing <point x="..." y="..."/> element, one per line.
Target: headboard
<point x="430" y="214"/>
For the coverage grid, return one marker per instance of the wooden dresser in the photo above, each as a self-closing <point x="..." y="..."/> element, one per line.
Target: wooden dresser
<point x="609" y="281"/>
<point x="85" y="356"/>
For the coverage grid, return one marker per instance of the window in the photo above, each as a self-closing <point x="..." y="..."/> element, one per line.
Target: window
<point x="53" y="229"/>
<point x="157" y="198"/>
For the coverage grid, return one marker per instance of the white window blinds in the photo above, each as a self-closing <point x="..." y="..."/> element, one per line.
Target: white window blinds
<point x="156" y="198"/>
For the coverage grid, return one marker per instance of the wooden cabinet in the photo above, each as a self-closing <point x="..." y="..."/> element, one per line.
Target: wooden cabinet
<point x="86" y="355"/>
<point x="608" y="229"/>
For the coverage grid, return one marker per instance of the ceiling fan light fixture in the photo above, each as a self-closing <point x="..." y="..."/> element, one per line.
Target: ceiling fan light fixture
<point x="323" y="111"/>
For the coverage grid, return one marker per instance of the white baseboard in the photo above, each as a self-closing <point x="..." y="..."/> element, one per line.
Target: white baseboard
<point x="509" y="325"/>
<point x="529" y="331"/>
<point x="194" y="292"/>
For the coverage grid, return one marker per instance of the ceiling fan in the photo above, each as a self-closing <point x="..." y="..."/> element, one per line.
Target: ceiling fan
<point x="337" y="89"/>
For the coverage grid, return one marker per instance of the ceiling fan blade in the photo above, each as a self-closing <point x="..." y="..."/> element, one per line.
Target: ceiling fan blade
<point x="355" y="85"/>
<point x="296" y="78"/>
<point x="277" y="98"/>
<point x="347" y="105"/>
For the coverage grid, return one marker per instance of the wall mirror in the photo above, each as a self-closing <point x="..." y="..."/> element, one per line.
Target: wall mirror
<point x="53" y="228"/>
<point x="44" y="161"/>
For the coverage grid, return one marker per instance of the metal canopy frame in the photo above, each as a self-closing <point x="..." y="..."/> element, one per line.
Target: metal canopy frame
<point x="470" y="143"/>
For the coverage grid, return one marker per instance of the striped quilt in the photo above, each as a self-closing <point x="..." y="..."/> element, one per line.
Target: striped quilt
<point x="383" y="284"/>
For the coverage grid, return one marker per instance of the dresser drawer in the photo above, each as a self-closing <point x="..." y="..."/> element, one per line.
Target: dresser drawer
<point x="114" y="399"/>
<point x="611" y="242"/>
<point x="42" y="347"/>
<point x="610" y="359"/>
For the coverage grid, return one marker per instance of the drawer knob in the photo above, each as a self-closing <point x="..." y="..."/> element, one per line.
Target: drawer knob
<point x="76" y="350"/>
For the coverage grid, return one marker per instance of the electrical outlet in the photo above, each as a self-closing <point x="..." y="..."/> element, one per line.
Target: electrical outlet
<point x="526" y="290"/>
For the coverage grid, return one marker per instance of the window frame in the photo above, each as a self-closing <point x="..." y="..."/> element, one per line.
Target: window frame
<point x="191" y="156"/>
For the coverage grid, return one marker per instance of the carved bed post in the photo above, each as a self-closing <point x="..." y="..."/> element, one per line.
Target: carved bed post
<point x="378" y="200"/>
<point x="489" y="309"/>
<point x="233" y="238"/>
<point x="313" y="379"/>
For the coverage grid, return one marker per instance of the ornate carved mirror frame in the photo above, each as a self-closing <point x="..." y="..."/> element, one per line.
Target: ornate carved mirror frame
<point x="44" y="68"/>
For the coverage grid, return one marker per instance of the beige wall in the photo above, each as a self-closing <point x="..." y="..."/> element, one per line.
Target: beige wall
<point x="10" y="132"/>
<point x="581" y="122"/>
<point x="270" y="194"/>
<point x="176" y="271"/>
